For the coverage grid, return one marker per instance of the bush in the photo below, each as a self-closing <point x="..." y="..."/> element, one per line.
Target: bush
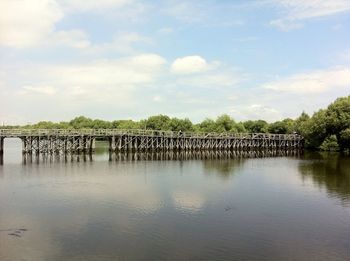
<point x="330" y="144"/>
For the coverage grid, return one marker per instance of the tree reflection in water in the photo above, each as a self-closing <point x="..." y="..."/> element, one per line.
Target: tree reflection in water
<point x="220" y="162"/>
<point x="328" y="170"/>
<point x="223" y="167"/>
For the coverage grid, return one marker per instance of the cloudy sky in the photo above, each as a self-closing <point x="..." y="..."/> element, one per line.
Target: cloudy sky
<point x="129" y="59"/>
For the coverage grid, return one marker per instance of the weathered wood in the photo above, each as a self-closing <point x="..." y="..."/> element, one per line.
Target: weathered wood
<point x="83" y="141"/>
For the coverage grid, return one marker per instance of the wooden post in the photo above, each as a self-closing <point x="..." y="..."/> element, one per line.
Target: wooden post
<point x="83" y="140"/>
<point x="110" y="144"/>
<point x="113" y="143"/>
<point x="24" y="145"/>
<point x="38" y="145"/>
<point x="92" y="145"/>
<point x="1" y="146"/>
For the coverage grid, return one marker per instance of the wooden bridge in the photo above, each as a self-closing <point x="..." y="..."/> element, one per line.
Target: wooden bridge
<point x="82" y="141"/>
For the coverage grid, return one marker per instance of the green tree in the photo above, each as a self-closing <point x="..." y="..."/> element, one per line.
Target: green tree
<point x="344" y="141"/>
<point x="100" y="124"/>
<point x="300" y="123"/>
<point x="240" y="127"/>
<point x="282" y="127"/>
<point x="315" y="130"/>
<point x="224" y="123"/>
<point x="176" y="124"/>
<point x="330" y="144"/>
<point x="337" y="118"/>
<point x="158" y="122"/>
<point x="258" y="126"/>
<point x="43" y="125"/>
<point x="208" y="125"/>
<point x="81" y="122"/>
<point x="126" y="125"/>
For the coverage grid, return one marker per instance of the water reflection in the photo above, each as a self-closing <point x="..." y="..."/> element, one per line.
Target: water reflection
<point x="157" y="156"/>
<point x="328" y="170"/>
<point x="222" y="167"/>
<point x="199" y="155"/>
<point x="55" y="158"/>
<point x="174" y="206"/>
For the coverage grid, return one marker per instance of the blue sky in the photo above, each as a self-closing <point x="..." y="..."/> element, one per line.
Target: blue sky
<point x="129" y="59"/>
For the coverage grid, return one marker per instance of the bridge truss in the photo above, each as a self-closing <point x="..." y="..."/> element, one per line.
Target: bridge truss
<point x="83" y="141"/>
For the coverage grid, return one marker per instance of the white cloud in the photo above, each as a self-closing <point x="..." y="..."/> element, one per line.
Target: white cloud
<point x="131" y="70"/>
<point x="295" y="11"/>
<point x="261" y="109"/>
<point x="115" y="11"/>
<point x="45" y="90"/>
<point x="121" y="43"/>
<point x="72" y="38"/>
<point x="93" y="5"/>
<point x="98" y="88"/>
<point x="99" y="80"/>
<point x="189" y="65"/>
<point x="313" y="82"/>
<point x="25" y="22"/>
<point x="232" y="98"/>
<point x="157" y="98"/>
<point x="196" y="71"/>
<point x="254" y="112"/>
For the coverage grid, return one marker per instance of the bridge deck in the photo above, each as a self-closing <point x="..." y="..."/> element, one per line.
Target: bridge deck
<point x="19" y="133"/>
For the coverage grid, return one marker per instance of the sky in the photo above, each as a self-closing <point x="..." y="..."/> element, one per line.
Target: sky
<point x="130" y="59"/>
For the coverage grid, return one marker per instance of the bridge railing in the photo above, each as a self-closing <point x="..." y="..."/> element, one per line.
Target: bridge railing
<point x="141" y="132"/>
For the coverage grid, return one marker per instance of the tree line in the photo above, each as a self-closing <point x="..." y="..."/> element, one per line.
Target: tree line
<point x="326" y="129"/>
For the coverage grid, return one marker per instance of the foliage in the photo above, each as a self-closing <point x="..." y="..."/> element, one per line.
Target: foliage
<point x="176" y="124"/>
<point x="337" y="119"/>
<point x="282" y="127"/>
<point x="330" y="144"/>
<point x="158" y="122"/>
<point x="300" y="123"/>
<point x="208" y="125"/>
<point x="127" y="125"/>
<point x="81" y="122"/>
<point x="345" y="139"/>
<point x="337" y="115"/>
<point x="259" y="126"/>
<point x="315" y="131"/>
<point x="224" y="123"/>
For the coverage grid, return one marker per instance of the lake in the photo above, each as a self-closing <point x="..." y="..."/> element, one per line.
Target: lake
<point x="214" y="206"/>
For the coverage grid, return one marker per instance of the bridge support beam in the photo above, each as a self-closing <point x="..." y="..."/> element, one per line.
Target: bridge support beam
<point x="24" y="145"/>
<point x="2" y="145"/>
<point x="58" y="145"/>
<point x="112" y="143"/>
<point x="1" y="150"/>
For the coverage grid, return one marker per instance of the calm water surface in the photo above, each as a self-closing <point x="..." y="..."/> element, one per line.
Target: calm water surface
<point x="272" y="208"/>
